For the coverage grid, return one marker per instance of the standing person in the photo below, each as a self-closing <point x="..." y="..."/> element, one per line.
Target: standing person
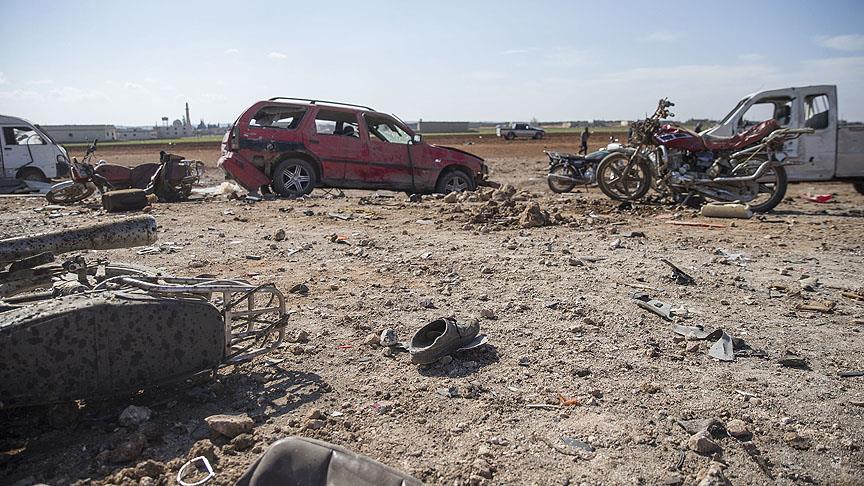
<point x="583" y="149"/>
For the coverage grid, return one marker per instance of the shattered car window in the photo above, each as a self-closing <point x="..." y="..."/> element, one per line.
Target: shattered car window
<point x="386" y="131"/>
<point x="284" y="117"/>
<point x="22" y="136"/>
<point x="336" y="123"/>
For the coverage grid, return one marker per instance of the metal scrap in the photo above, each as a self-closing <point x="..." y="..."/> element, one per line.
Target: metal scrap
<point x="680" y="276"/>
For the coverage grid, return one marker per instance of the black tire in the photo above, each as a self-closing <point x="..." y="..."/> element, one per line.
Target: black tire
<point x="615" y="162"/>
<point x="31" y="174"/>
<point x="455" y="180"/>
<point x="558" y="186"/>
<point x="538" y="136"/>
<point x="68" y="193"/>
<point x="781" y="183"/>
<point x="509" y="136"/>
<point x="293" y="178"/>
<point x="859" y="186"/>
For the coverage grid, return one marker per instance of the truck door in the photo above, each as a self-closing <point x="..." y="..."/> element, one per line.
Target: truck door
<point x="817" y="153"/>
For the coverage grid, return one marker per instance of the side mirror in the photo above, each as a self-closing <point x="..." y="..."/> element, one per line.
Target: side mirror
<point x="418" y="138"/>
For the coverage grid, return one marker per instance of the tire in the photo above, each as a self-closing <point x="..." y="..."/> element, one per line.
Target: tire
<point x="455" y="180"/>
<point x="31" y="174"/>
<point x="859" y="186"/>
<point x="559" y="186"/>
<point x="538" y="136"/>
<point x="294" y="178"/>
<point x="509" y="136"/>
<point x="68" y="192"/>
<point x="781" y="183"/>
<point x="615" y="162"/>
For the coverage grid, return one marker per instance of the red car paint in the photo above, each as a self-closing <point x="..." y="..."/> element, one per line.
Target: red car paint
<point x="346" y="146"/>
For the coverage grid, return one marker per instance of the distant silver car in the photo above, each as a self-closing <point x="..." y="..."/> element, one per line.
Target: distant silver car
<point x="520" y="130"/>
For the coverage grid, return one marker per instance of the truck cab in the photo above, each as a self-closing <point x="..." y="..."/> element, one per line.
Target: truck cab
<point x="834" y="151"/>
<point x="28" y="153"/>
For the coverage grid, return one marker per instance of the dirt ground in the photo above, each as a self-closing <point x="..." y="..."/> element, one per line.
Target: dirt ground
<point x="556" y="302"/>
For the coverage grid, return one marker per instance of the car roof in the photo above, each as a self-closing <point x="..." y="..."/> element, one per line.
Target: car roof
<point x="6" y="120"/>
<point x="329" y="104"/>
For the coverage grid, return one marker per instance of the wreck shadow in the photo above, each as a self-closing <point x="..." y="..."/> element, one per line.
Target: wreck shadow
<point x="484" y="356"/>
<point x="814" y="212"/>
<point x="36" y="435"/>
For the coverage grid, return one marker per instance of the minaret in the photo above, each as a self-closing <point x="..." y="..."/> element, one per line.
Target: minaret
<point x="188" y="120"/>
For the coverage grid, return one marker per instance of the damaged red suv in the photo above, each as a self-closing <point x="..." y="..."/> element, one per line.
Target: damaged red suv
<point x="291" y="146"/>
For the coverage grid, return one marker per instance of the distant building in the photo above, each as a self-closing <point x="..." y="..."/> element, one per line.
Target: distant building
<point x="441" y="127"/>
<point x="136" y="133"/>
<point x="80" y="133"/>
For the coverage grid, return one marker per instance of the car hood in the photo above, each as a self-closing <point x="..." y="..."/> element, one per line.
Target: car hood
<point x="444" y="150"/>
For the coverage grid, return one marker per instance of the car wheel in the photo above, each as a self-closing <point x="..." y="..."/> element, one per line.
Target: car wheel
<point x="293" y="178"/>
<point x="859" y="186"/>
<point x="509" y="136"/>
<point x="31" y="174"/>
<point x="455" y="181"/>
<point x="538" y="136"/>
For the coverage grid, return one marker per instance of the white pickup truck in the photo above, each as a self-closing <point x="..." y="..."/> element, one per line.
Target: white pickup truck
<point x="519" y="130"/>
<point x="834" y="152"/>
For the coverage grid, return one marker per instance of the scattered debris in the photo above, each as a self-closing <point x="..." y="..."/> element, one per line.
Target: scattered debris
<point x="818" y="198"/>
<point x="568" y="402"/>
<point x="230" y="425"/>
<point x="577" y="444"/>
<point x="134" y="415"/>
<point x="792" y="360"/>
<point x="389" y="338"/>
<point x="660" y="308"/>
<point x="702" y="443"/>
<point x="680" y="276"/>
<point x="851" y="374"/>
<point x="204" y="466"/>
<point x="696" y="224"/>
<point x="726" y="210"/>
<point x="824" y="306"/>
<point x="723" y="349"/>
<point x="441" y="337"/>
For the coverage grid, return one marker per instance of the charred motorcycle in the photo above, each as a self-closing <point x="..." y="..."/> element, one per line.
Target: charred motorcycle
<point x="747" y="167"/>
<point x="567" y="170"/>
<point x="171" y="180"/>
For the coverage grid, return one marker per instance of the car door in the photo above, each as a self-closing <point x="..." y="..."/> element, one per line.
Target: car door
<point x="387" y="163"/>
<point x="16" y="153"/>
<point x="335" y="140"/>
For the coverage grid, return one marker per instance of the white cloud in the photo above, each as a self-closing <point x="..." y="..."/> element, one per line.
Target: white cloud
<point x="511" y="52"/>
<point x="232" y="51"/>
<point x="3" y="79"/>
<point x="661" y="36"/>
<point x="20" y="95"/>
<point x="849" y="42"/>
<point x="751" y="57"/>
<point x="133" y="86"/>
<point x="41" y="82"/>
<point x="71" y="94"/>
<point x="277" y="55"/>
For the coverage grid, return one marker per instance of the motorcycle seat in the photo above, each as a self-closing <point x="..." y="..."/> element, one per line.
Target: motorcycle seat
<point x="742" y="139"/>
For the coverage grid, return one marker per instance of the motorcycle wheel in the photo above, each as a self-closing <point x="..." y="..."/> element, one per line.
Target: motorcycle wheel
<point x="772" y="188"/>
<point x="68" y="192"/>
<point x="557" y="185"/>
<point x="621" y="186"/>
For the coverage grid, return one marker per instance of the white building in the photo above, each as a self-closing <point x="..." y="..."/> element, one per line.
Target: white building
<point x="80" y="133"/>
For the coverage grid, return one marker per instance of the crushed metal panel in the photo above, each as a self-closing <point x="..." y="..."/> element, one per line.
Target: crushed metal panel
<point x="89" y="345"/>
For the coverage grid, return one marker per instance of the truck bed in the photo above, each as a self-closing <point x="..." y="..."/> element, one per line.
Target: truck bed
<point x="850" y="151"/>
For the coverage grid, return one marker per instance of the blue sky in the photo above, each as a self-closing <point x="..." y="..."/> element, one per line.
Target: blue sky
<point x="130" y="63"/>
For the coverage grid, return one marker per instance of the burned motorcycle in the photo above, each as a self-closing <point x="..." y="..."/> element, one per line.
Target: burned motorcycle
<point x="566" y="170"/>
<point x="171" y="180"/>
<point x="685" y="165"/>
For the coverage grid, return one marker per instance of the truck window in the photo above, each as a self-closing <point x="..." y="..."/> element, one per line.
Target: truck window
<point x="816" y="111"/>
<point x="385" y="130"/>
<point x="22" y="136"/>
<point x="757" y="113"/>
<point x="336" y="123"/>
<point x="284" y="117"/>
<point x="520" y="126"/>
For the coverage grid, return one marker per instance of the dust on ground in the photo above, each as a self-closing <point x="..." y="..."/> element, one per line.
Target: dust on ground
<point x="572" y="360"/>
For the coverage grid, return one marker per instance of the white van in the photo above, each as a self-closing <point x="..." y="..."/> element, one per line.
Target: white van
<point x="28" y="153"/>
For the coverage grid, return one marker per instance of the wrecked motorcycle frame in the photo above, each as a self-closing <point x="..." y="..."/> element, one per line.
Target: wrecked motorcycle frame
<point x="682" y="164"/>
<point x="83" y="330"/>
